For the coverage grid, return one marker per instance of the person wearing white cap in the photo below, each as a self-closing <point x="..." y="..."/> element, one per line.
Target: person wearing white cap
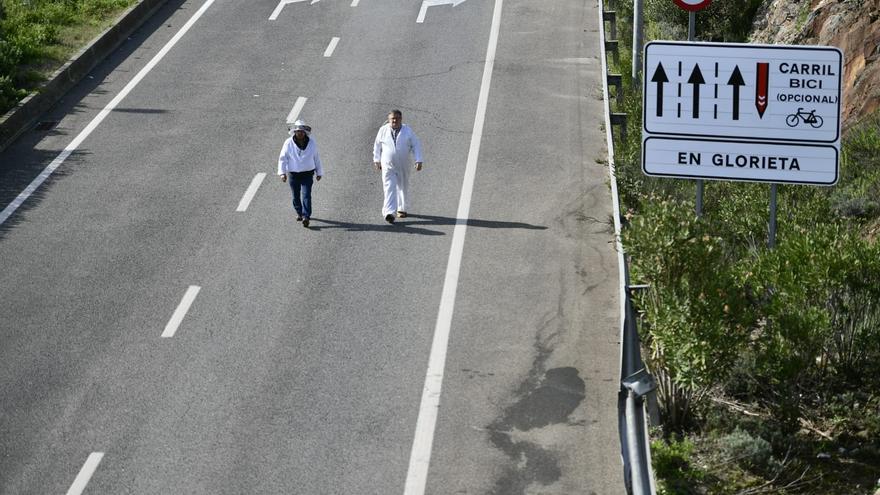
<point x="299" y="159"/>
<point x="394" y="143"/>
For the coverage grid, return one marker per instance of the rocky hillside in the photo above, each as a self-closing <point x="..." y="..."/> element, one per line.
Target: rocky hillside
<point x="851" y="25"/>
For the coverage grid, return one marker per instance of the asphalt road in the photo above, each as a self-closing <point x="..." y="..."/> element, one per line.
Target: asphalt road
<point x="300" y="364"/>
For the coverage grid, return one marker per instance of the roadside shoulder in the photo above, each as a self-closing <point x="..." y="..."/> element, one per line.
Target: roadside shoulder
<point x="29" y="110"/>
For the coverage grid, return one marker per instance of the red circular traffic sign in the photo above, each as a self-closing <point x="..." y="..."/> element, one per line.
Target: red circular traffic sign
<point x="692" y="5"/>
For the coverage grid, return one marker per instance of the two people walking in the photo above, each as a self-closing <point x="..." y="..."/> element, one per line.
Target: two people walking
<point x="395" y="146"/>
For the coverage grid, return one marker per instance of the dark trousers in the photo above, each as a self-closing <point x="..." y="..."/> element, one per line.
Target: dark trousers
<point x="301" y="186"/>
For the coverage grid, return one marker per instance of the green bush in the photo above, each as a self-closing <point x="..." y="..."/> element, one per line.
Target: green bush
<point x="696" y="318"/>
<point x="673" y="467"/>
<point x="9" y="94"/>
<point x="747" y="451"/>
<point x="857" y="197"/>
<point x="803" y="293"/>
<point x="728" y="20"/>
<point x="693" y="317"/>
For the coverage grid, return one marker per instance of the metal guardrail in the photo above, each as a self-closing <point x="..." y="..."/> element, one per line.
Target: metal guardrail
<point x="635" y="382"/>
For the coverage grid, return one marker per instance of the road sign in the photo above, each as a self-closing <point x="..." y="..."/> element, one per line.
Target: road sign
<point x="794" y="163"/>
<point x="693" y="5"/>
<point x="736" y="96"/>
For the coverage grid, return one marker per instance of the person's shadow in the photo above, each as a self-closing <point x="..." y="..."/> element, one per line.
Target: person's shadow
<point x="416" y="224"/>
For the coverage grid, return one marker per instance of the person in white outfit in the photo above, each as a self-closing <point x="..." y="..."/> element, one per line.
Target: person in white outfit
<point x="395" y="141"/>
<point x="300" y="161"/>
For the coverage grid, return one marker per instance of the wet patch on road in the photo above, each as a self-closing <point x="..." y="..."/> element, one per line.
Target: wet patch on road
<point x="548" y="401"/>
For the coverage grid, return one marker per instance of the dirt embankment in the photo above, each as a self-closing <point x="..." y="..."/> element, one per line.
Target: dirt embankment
<point x="851" y="25"/>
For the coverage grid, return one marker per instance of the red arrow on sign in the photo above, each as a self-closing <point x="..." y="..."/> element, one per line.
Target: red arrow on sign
<point x="692" y="5"/>
<point x="762" y="82"/>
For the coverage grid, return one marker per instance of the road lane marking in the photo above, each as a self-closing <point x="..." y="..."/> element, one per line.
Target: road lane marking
<point x="24" y="195"/>
<point x="434" y="3"/>
<point x="354" y="3"/>
<point x="85" y="474"/>
<point x="181" y="310"/>
<point x="424" y="10"/>
<point x="282" y="3"/>
<point x="251" y="191"/>
<point x="297" y="108"/>
<point x="332" y="46"/>
<point x="420" y="457"/>
<point x="277" y="10"/>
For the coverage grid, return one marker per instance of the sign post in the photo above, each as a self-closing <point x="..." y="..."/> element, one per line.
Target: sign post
<point x="692" y="36"/>
<point x="638" y="7"/>
<point x="771" y="238"/>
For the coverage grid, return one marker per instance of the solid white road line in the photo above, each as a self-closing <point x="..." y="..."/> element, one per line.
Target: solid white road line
<point x="181" y="310"/>
<point x="297" y="108"/>
<point x="420" y="457"/>
<point x="20" y="199"/>
<point x="332" y="46"/>
<point x="85" y="474"/>
<point x="354" y="3"/>
<point x="251" y="191"/>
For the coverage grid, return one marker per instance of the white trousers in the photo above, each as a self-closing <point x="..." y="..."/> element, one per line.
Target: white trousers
<point x="395" y="183"/>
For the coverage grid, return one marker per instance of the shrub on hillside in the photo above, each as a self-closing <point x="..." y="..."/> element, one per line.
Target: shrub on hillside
<point x="729" y="21"/>
<point x="805" y="294"/>
<point x="750" y="452"/>
<point x="673" y="464"/>
<point x="696" y="317"/>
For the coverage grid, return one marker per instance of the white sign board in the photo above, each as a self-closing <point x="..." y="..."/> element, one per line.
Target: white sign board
<point x="795" y="163"/>
<point x="712" y="98"/>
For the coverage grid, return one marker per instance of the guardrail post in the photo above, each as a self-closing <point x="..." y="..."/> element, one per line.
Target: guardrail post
<point x="619" y="119"/>
<point x="611" y="46"/>
<point x="611" y="16"/>
<point x="616" y="80"/>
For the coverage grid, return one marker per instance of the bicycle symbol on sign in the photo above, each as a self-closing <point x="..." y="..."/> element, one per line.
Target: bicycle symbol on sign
<point x="807" y="117"/>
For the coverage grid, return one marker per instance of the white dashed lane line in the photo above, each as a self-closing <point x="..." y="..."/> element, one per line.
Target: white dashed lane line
<point x="297" y="108"/>
<point x="85" y="474"/>
<point x="332" y="46"/>
<point x="180" y="312"/>
<point x="251" y="191"/>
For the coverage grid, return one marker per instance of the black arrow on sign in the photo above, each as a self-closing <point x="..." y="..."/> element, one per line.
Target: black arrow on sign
<point x="736" y="80"/>
<point x="659" y="77"/>
<point x="696" y="79"/>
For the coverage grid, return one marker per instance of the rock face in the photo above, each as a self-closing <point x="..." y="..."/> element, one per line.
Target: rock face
<point x="851" y="25"/>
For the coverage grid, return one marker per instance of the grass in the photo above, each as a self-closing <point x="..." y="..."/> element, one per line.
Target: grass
<point x="742" y="451"/>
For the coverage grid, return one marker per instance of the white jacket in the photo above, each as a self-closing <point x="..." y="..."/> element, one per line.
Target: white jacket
<point x="392" y="155"/>
<point x="293" y="159"/>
